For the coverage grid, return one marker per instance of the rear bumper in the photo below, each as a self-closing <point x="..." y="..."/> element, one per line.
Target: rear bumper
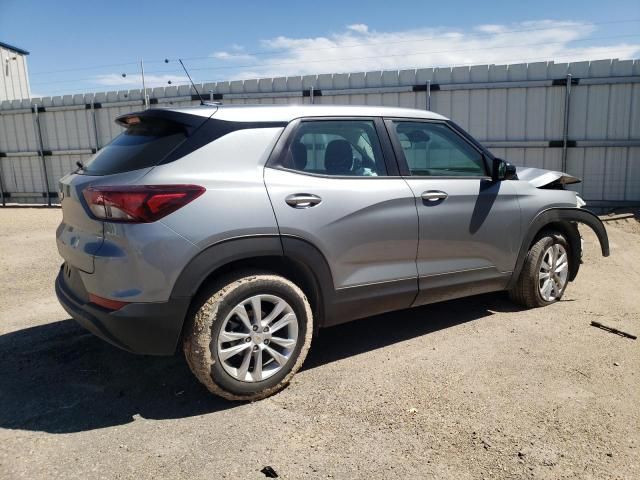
<point x="142" y="328"/>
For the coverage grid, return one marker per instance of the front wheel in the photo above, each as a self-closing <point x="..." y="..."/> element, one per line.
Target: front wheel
<point x="249" y="337"/>
<point x="545" y="273"/>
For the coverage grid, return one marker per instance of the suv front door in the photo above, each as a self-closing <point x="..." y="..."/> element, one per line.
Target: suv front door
<point x="334" y="185"/>
<point x="469" y="225"/>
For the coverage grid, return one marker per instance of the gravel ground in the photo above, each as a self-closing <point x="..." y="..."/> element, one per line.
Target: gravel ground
<point x="474" y="388"/>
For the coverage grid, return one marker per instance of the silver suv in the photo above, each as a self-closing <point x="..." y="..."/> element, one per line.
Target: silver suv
<point x="239" y="231"/>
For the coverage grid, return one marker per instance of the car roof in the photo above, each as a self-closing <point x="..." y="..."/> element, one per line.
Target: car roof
<point x="286" y="113"/>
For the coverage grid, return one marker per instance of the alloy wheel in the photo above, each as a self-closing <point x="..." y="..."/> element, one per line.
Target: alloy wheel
<point x="257" y="338"/>
<point x="553" y="273"/>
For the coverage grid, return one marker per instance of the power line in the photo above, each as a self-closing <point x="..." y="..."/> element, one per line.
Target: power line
<point x="464" y="64"/>
<point x="298" y="62"/>
<point x="304" y="62"/>
<point x="276" y="52"/>
<point x="414" y="67"/>
<point x="96" y="67"/>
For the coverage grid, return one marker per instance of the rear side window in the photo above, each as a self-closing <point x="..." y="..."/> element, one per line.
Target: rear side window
<point x="336" y="147"/>
<point x="144" y="143"/>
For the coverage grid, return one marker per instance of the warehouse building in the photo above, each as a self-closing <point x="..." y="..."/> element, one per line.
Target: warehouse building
<point x="14" y="80"/>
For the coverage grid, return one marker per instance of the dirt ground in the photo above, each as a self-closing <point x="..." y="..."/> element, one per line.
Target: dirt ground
<point x="471" y="389"/>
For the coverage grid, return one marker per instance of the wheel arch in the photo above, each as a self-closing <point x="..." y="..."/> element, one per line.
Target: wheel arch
<point x="562" y="219"/>
<point x="303" y="264"/>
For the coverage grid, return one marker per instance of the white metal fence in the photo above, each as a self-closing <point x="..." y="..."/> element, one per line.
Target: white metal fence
<point x="581" y="117"/>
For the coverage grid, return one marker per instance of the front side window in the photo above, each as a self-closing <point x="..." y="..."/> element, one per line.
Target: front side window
<point x="434" y="149"/>
<point x="336" y="147"/>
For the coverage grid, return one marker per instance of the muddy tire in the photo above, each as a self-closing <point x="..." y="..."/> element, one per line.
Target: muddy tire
<point x="249" y="336"/>
<point x="544" y="275"/>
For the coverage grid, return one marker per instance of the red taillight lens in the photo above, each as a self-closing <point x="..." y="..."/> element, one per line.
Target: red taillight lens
<point x="139" y="204"/>
<point x="106" y="303"/>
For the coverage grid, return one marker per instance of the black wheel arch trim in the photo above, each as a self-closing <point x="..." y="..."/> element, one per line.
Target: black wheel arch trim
<point x="220" y="254"/>
<point x="561" y="215"/>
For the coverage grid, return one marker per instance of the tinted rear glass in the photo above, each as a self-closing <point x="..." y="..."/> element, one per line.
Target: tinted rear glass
<point x="141" y="145"/>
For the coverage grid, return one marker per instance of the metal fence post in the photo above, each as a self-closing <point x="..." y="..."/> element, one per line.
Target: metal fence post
<point x="565" y="128"/>
<point x="95" y="123"/>
<point x="428" y="94"/>
<point x="4" y="204"/>
<point x="41" y="153"/>
<point x="311" y="95"/>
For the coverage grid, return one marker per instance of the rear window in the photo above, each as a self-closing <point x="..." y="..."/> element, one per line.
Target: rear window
<point x="143" y="144"/>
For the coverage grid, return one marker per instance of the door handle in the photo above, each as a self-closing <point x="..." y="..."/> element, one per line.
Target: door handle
<point x="433" y="195"/>
<point x="302" y="200"/>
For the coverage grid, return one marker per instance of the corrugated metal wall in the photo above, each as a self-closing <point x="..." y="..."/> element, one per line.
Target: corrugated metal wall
<point x="14" y="81"/>
<point x="518" y="111"/>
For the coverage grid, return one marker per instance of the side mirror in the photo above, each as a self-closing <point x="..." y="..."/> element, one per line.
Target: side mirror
<point x="503" y="170"/>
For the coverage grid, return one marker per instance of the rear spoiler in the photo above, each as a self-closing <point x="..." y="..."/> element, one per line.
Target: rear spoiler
<point x="189" y="121"/>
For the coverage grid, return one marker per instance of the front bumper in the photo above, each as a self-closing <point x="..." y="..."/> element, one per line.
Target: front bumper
<point x="143" y="328"/>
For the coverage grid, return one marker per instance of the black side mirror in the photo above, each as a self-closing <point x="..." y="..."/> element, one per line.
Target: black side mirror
<point x="503" y="170"/>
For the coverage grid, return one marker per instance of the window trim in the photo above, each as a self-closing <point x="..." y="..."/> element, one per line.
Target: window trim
<point x="403" y="165"/>
<point x="277" y="156"/>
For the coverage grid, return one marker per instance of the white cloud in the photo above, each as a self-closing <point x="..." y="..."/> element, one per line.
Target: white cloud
<point x="358" y="48"/>
<point x="233" y="56"/>
<point x="490" y="28"/>
<point x="135" y="81"/>
<point x="358" y="27"/>
<point x="236" y="54"/>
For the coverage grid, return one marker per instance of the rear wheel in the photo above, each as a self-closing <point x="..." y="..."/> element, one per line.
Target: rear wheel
<point x="545" y="273"/>
<point x="249" y="337"/>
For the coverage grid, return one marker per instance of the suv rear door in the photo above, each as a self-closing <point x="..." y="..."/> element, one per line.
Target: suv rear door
<point x="334" y="184"/>
<point x="469" y="225"/>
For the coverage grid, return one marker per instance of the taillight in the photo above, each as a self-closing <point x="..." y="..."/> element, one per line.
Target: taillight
<point x="106" y="303"/>
<point x="139" y="204"/>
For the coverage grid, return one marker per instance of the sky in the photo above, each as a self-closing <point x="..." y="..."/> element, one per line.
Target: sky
<point x="91" y="46"/>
